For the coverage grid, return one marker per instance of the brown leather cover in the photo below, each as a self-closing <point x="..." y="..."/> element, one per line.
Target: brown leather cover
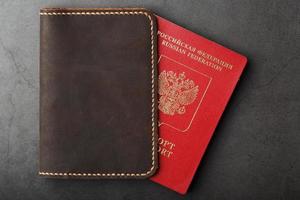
<point x="98" y="105"/>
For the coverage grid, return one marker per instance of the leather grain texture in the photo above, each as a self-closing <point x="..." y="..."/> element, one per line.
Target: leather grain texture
<point x="98" y="104"/>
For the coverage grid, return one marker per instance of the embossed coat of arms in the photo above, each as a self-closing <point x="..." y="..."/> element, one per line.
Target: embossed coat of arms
<point x="175" y="92"/>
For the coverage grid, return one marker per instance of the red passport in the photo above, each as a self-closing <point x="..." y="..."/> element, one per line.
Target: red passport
<point x="196" y="79"/>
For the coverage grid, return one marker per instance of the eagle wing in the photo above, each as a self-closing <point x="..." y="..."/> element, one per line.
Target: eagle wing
<point x="187" y="97"/>
<point x="163" y="83"/>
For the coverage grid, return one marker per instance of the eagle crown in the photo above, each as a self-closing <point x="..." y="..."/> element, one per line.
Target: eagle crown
<point x="179" y="82"/>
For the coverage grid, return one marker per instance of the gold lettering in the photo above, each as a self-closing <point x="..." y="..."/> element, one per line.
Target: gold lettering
<point x="174" y="47"/>
<point x="193" y="53"/>
<point x="165" y="147"/>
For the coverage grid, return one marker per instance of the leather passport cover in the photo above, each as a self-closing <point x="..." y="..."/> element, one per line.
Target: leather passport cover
<point x="196" y="79"/>
<point x="98" y="86"/>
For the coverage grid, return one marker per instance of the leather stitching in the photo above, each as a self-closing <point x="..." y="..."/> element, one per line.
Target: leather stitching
<point x="108" y="12"/>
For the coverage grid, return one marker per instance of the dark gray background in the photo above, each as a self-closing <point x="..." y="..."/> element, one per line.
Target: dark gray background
<point x="254" y="153"/>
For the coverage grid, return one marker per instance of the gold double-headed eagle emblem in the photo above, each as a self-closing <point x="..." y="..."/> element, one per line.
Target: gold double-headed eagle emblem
<point x="175" y="92"/>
